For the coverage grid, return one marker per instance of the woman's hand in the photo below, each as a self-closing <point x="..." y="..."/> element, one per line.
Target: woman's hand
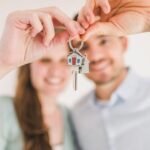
<point x="28" y="35"/>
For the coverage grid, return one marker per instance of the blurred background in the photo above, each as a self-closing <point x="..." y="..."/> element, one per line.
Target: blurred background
<point x="137" y="56"/>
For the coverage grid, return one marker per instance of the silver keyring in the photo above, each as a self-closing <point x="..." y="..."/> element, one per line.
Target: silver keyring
<point x="73" y="48"/>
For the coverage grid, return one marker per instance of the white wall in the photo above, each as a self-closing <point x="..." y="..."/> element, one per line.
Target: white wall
<point x="138" y="55"/>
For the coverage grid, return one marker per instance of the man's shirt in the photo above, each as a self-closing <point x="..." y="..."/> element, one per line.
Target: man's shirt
<point x="122" y="123"/>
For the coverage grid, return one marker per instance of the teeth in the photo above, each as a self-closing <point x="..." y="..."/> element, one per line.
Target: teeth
<point x="100" y="66"/>
<point x="54" y="81"/>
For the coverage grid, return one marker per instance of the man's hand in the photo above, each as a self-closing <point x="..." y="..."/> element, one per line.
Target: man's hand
<point x="126" y="17"/>
<point x="87" y="15"/>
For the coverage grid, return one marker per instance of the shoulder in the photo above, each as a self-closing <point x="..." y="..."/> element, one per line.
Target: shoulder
<point x="68" y="138"/>
<point x="6" y="105"/>
<point x="135" y="86"/>
<point x="9" y="123"/>
<point x="143" y="87"/>
<point x="64" y="110"/>
<point x="65" y="114"/>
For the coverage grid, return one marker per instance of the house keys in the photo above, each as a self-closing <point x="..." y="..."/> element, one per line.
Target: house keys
<point x="78" y="62"/>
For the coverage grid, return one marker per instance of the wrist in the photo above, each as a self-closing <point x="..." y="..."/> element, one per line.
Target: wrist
<point x="148" y="22"/>
<point x="4" y="67"/>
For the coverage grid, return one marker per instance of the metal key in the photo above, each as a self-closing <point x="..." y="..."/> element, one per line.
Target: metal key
<point x="75" y="71"/>
<point x="75" y="76"/>
<point x="78" y="62"/>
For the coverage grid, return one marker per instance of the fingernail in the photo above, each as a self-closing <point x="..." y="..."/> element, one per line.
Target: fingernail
<point x="33" y="34"/>
<point x="86" y="26"/>
<point x="77" y="37"/>
<point x="46" y="43"/>
<point x="97" y="18"/>
<point x="106" y="10"/>
<point x="71" y="38"/>
<point x="88" y="19"/>
<point x="82" y="31"/>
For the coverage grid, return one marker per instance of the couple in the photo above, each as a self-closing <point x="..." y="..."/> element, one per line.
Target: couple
<point x="35" y="121"/>
<point x="114" y="116"/>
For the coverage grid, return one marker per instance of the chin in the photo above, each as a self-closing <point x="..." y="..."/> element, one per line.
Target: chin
<point x="54" y="89"/>
<point x="51" y="93"/>
<point x="102" y="81"/>
<point x="99" y="75"/>
<point x="99" y="78"/>
<point x="51" y="89"/>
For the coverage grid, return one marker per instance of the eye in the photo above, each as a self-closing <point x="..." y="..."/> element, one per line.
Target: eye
<point x="103" y="42"/>
<point x="63" y="61"/>
<point x="45" y="60"/>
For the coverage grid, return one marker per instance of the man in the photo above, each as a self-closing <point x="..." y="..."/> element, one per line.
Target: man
<point x="116" y="114"/>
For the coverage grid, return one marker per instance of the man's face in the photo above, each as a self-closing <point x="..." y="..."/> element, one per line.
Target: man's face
<point x="105" y="54"/>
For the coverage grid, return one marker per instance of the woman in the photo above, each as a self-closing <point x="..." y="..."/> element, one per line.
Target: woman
<point x="34" y="120"/>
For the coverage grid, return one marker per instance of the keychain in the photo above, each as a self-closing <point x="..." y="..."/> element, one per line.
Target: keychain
<point x="78" y="62"/>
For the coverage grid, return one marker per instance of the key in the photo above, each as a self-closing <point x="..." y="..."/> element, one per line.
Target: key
<point x="75" y="70"/>
<point x="75" y="75"/>
<point x="78" y="62"/>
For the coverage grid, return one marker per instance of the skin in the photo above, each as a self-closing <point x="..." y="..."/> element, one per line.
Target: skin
<point x="30" y="32"/>
<point x="28" y="35"/>
<point x="49" y="81"/>
<point x="125" y="17"/>
<point x="107" y="68"/>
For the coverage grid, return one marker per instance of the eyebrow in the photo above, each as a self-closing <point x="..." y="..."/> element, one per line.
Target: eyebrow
<point x="102" y="36"/>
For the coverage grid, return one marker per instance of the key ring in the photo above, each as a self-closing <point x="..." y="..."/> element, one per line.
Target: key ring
<point x="74" y="48"/>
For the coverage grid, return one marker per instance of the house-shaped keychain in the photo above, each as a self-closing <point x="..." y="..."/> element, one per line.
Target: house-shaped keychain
<point x="79" y="61"/>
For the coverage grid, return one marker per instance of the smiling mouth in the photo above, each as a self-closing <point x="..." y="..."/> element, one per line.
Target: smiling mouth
<point x="54" y="81"/>
<point x="99" y="66"/>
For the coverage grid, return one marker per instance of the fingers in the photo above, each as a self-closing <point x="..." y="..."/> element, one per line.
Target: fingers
<point x="87" y="14"/>
<point x="103" y="28"/>
<point x="104" y="5"/>
<point x="23" y="20"/>
<point x="41" y="23"/>
<point x="72" y="27"/>
<point x="83" y="20"/>
<point x="36" y="24"/>
<point x="48" y="28"/>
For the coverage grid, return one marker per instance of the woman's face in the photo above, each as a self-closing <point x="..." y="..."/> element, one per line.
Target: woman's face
<point x="50" y="74"/>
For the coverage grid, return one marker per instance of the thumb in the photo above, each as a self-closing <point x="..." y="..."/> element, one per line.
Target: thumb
<point x="103" y="28"/>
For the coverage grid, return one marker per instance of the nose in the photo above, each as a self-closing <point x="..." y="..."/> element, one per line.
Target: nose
<point x="96" y="54"/>
<point x="55" y="69"/>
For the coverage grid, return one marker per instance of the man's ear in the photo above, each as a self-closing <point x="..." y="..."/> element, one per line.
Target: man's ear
<point x="124" y="40"/>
